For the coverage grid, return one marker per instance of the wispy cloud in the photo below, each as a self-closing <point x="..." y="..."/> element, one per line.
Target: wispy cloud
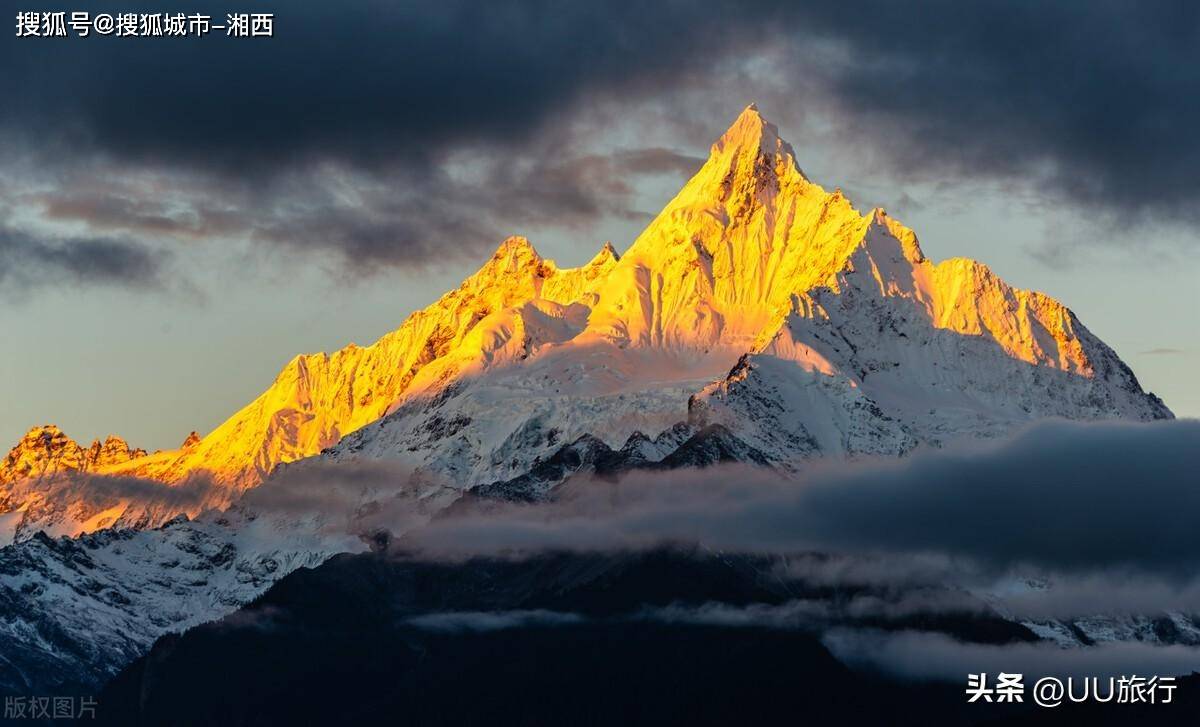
<point x="28" y="262"/>
<point x="923" y="655"/>
<point x="1162" y="352"/>
<point x="492" y="620"/>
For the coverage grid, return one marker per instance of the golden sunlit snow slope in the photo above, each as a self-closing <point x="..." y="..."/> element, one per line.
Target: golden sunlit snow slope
<point x="720" y="264"/>
<point x="318" y="398"/>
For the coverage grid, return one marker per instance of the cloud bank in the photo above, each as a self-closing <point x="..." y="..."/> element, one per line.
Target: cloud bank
<point x="920" y="655"/>
<point x="1057" y="495"/>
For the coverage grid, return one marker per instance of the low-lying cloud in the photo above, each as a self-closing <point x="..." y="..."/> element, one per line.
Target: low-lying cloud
<point x="455" y="621"/>
<point x="68" y="503"/>
<point x="1058" y="495"/>
<point x="344" y="503"/>
<point x="922" y="655"/>
<point x="361" y="499"/>
<point x="1062" y="520"/>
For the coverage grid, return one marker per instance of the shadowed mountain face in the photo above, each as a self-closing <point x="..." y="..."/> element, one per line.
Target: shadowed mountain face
<point x="586" y="674"/>
<point x="552" y="640"/>
<point x="556" y="639"/>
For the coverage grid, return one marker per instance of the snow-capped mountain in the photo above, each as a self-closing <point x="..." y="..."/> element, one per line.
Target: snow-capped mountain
<point x="756" y="300"/>
<point x="75" y="611"/>
<point x="761" y="302"/>
<point x="758" y="318"/>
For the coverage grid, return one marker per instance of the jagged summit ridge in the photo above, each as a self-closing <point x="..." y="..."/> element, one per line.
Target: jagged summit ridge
<point x="46" y="450"/>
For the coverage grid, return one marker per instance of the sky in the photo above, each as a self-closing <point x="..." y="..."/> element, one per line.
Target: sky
<point x="179" y="217"/>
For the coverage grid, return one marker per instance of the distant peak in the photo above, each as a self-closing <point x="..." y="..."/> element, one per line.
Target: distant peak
<point x="515" y="256"/>
<point x="45" y="436"/>
<point x="51" y="429"/>
<point x="607" y="253"/>
<point x="516" y="246"/>
<point x="514" y="253"/>
<point x="895" y="229"/>
<point x="191" y="441"/>
<point x="515" y="243"/>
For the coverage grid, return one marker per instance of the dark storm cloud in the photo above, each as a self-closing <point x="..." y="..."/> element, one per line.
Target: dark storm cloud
<point x="1094" y="104"/>
<point x="369" y="82"/>
<point x="248" y="132"/>
<point x="657" y="160"/>
<point x="444" y="216"/>
<point x="1103" y="93"/>
<point x="1063" y="521"/>
<point x="1062" y="496"/>
<point x="28" y="262"/>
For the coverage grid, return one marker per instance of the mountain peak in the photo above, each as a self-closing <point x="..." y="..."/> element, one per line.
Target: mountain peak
<point x="514" y="253"/>
<point x="47" y="450"/>
<point x="894" y="229"/>
<point x="44" y="430"/>
<point x="113" y="450"/>
<point x="750" y="131"/>
<point x="45" y="436"/>
<point x="515" y="258"/>
<point x="515" y="242"/>
<point x="607" y="253"/>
